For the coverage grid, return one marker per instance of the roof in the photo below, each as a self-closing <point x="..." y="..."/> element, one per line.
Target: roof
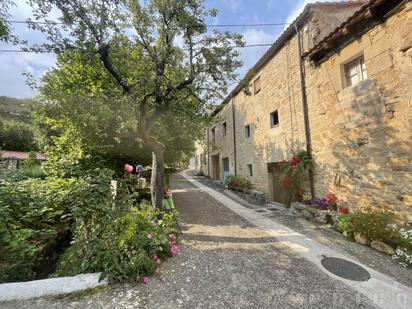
<point x="20" y="155"/>
<point x="284" y="38"/>
<point x="371" y="13"/>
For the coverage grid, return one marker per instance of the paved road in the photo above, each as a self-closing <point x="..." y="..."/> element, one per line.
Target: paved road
<point x="225" y="262"/>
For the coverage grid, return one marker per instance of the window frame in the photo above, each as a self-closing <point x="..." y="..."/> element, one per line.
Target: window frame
<point x="248" y="131"/>
<point x="358" y="63"/>
<point x="257" y="81"/>
<point x="272" y="118"/>
<point x="250" y="169"/>
<point x="213" y="131"/>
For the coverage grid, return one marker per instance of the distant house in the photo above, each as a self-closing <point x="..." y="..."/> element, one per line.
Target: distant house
<point x="10" y="159"/>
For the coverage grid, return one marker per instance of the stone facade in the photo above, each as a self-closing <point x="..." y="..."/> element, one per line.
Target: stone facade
<point x="361" y="135"/>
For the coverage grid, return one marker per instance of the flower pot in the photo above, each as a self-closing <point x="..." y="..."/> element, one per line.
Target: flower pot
<point x="343" y="211"/>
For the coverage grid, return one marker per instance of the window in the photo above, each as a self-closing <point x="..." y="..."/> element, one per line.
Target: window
<point x="247" y="131"/>
<point x="274" y="119"/>
<point x="214" y="135"/>
<point x="250" y="169"/>
<point x="355" y="71"/>
<point x="256" y="85"/>
<point x="224" y="129"/>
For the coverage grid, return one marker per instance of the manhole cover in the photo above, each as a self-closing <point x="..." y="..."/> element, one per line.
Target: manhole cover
<point x="345" y="269"/>
<point x="260" y="210"/>
<point x="272" y="209"/>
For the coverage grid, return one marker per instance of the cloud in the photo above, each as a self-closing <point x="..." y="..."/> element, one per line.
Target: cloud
<point x="12" y="81"/>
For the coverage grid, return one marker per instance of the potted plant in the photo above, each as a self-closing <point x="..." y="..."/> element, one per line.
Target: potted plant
<point x="343" y="210"/>
<point x="332" y="200"/>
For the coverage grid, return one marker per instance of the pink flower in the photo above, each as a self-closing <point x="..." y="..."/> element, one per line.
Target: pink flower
<point x="158" y="261"/>
<point x="158" y="270"/>
<point x="174" y="250"/>
<point x="146" y="280"/>
<point x="128" y="168"/>
<point x="154" y="257"/>
<point x="150" y="235"/>
<point x="172" y="237"/>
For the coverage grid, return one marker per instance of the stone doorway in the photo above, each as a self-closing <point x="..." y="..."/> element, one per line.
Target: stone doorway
<point x="276" y="191"/>
<point x="215" y="167"/>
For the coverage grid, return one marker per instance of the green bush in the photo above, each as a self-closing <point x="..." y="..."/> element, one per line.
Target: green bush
<point x="344" y="226"/>
<point x="15" y="135"/>
<point x="239" y="182"/>
<point x="32" y="221"/>
<point x="112" y="236"/>
<point x="372" y="224"/>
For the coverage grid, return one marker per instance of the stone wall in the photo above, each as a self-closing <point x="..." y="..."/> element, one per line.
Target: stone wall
<point x="362" y="135"/>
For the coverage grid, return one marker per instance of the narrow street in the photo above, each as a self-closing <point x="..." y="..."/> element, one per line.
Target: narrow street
<point x="224" y="262"/>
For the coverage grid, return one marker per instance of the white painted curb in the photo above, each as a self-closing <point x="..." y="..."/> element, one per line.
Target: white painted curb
<point x="382" y="290"/>
<point x="45" y="287"/>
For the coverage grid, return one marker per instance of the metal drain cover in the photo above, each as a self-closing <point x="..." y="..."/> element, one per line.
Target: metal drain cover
<point x="345" y="269"/>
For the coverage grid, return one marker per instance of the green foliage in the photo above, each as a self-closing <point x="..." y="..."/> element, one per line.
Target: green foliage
<point x="344" y="226"/>
<point x="112" y="236"/>
<point x="16" y="135"/>
<point x="32" y="220"/>
<point x="379" y="225"/>
<point x="372" y="224"/>
<point x="239" y="182"/>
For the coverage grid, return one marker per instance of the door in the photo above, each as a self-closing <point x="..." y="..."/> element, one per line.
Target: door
<point x="279" y="193"/>
<point x="215" y="167"/>
<point x="226" y="172"/>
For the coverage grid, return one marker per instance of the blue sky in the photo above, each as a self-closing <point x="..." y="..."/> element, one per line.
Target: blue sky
<point x="12" y="82"/>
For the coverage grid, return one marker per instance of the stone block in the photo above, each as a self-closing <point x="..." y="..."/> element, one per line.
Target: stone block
<point x="383" y="247"/>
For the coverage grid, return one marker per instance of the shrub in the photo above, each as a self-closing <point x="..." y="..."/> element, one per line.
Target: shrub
<point x="15" y="135"/>
<point x="32" y="221"/>
<point x="239" y="182"/>
<point x="344" y="226"/>
<point x="115" y="237"/>
<point x="372" y="224"/>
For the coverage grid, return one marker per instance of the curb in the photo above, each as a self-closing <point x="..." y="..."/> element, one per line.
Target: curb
<point x="47" y="287"/>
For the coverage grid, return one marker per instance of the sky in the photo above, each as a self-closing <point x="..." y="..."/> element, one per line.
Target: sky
<point x="13" y="65"/>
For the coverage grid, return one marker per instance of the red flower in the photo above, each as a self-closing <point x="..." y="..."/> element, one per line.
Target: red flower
<point x="287" y="181"/>
<point x="331" y="197"/>
<point x="295" y="161"/>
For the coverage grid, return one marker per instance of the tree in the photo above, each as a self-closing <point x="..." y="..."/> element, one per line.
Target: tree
<point x="5" y="29"/>
<point x="15" y="135"/>
<point x="153" y="72"/>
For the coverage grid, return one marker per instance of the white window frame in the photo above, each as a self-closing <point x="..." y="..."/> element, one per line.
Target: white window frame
<point x="354" y="71"/>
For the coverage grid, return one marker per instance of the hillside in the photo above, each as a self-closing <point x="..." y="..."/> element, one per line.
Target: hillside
<point x="16" y="109"/>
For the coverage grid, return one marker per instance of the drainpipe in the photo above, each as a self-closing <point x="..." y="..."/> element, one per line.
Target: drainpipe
<point x="305" y="109"/>
<point x="208" y="153"/>
<point x="234" y="134"/>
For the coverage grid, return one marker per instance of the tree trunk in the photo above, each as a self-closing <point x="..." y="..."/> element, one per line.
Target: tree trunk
<point x="156" y="185"/>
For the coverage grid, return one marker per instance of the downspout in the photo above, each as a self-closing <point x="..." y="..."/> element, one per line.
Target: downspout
<point x="234" y="135"/>
<point x="305" y="109"/>
<point x="208" y="153"/>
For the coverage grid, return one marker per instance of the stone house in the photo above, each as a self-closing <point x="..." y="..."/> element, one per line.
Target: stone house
<point x="334" y="83"/>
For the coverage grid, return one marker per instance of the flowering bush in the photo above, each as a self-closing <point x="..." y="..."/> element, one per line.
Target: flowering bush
<point x="378" y="225"/>
<point x="240" y="182"/>
<point x="328" y="202"/>
<point x="116" y="237"/>
<point x="295" y="173"/>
